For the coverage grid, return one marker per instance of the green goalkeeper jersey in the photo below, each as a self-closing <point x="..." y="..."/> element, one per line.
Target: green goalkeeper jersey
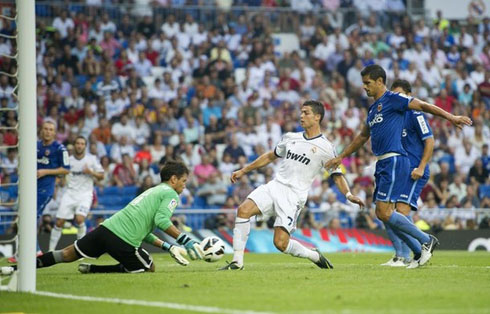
<point x="136" y="222"/>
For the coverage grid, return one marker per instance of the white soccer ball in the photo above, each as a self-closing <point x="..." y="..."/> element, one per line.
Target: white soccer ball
<point x="213" y="248"/>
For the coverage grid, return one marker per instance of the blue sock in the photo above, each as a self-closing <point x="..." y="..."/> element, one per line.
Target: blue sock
<point x="397" y="242"/>
<point x="402" y="223"/>
<point x="405" y="248"/>
<point x="409" y="241"/>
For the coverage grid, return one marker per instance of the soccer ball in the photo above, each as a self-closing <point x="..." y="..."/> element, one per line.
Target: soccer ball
<point x="213" y="248"/>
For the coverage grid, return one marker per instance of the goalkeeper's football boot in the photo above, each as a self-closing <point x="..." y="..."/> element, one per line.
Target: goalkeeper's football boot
<point x="231" y="266"/>
<point x="427" y="249"/>
<point x="323" y="262"/>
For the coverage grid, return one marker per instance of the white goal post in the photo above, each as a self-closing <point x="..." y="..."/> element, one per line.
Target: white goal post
<point x="26" y="45"/>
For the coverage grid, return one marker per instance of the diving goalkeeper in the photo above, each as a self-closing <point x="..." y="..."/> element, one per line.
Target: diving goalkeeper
<point x="122" y="234"/>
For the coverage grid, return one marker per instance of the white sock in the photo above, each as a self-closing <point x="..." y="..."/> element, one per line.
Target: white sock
<point x="54" y="238"/>
<point x="240" y="237"/>
<point x="296" y="249"/>
<point x="82" y="230"/>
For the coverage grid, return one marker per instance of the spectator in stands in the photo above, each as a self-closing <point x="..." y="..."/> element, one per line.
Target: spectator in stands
<point x="444" y="174"/>
<point x="10" y="162"/>
<point x="103" y="132"/>
<point x="234" y="149"/>
<point x="465" y="156"/>
<point x="452" y="202"/>
<point x="243" y="188"/>
<point x="458" y="188"/>
<point x="470" y="198"/>
<point x="145" y="27"/>
<point x="442" y="191"/>
<point x="214" y="190"/>
<point x="191" y="156"/>
<point x="204" y="170"/>
<point x="98" y="146"/>
<point x="107" y="87"/>
<point x="123" y="128"/>
<point x="145" y="170"/>
<point x="430" y="201"/>
<point x="478" y="174"/>
<point x="120" y="148"/>
<point x="63" y="23"/>
<point x="142" y="66"/>
<point x="124" y="173"/>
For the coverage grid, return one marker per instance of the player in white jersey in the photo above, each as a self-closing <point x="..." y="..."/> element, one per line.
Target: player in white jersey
<point x="76" y="201"/>
<point x="304" y="156"/>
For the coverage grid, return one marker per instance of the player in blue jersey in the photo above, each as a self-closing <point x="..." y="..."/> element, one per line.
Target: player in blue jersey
<point x="418" y="141"/>
<point x="52" y="160"/>
<point x="384" y="125"/>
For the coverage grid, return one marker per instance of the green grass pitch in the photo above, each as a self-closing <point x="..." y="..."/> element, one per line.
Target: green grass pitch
<point x="454" y="282"/>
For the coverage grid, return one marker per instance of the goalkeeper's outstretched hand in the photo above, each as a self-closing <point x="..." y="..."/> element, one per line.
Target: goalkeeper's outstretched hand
<point x="193" y="248"/>
<point x="177" y="254"/>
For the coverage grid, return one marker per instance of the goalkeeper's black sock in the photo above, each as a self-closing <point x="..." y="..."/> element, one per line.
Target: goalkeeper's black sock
<point x="118" y="268"/>
<point x="48" y="259"/>
<point x="45" y="260"/>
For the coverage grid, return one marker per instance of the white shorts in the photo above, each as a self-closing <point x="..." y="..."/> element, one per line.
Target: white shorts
<point x="275" y="199"/>
<point x="71" y="206"/>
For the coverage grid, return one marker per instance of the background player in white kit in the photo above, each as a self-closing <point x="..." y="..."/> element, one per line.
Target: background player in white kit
<point x="76" y="201"/>
<point x="305" y="154"/>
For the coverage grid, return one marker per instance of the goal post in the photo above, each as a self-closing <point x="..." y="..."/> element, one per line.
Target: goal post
<point x="26" y="46"/>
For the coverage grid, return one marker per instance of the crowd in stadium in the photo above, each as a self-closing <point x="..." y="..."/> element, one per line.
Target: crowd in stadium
<point x="143" y="93"/>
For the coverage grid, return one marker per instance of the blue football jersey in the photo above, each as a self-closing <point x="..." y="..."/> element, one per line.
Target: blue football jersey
<point x="385" y="121"/>
<point x="51" y="156"/>
<point x="416" y="130"/>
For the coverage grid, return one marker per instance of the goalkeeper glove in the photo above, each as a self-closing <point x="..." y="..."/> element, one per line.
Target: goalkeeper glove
<point x="193" y="248"/>
<point x="177" y="253"/>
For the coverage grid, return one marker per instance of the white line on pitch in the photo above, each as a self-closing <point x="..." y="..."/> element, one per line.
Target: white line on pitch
<point x="168" y="305"/>
<point x="393" y="311"/>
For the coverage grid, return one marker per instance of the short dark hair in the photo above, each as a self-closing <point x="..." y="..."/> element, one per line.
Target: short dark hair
<point x="403" y="84"/>
<point x="171" y="168"/>
<point x="317" y="107"/>
<point x="81" y="137"/>
<point x="375" y="72"/>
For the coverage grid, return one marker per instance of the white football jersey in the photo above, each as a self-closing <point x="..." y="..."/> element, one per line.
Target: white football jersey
<point x="303" y="159"/>
<point x="79" y="182"/>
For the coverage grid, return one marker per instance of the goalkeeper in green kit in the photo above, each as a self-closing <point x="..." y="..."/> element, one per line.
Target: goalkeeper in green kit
<point x="122" y="234"/>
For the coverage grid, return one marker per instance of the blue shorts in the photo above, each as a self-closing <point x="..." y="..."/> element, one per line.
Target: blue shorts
<point x="411" y="195"/>
<point x="42" y="200"/>
<point x="392" y="179"/>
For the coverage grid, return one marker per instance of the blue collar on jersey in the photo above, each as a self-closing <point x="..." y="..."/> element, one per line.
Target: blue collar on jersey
<point x="378" y="100"/>
<point x="314" y="137"/>
<point x="382" y="96"/>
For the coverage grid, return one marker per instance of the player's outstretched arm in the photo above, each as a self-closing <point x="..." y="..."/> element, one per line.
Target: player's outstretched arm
<point x="343" y="186"/>
<point x="260" y="162"/>
<point x="194" y="250"/>
<point x="52" y="172"/>
<point x="357" y="143"/>
<point x="176" y="252"/>
<point x="458" y="121"/>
